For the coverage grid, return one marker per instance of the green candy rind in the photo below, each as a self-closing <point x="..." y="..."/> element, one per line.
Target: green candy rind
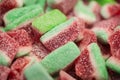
<point x="83" y="11"/>
<point x="56" y="30"/>
<point x="17" y="13"/>
<point x="113" y="64"/>
<point x="103" y="2"/>
<point x="98" y="61"/>
<point x="61" y="57"/>
<point x="4" y="59"/>
<point x="36" y="72"/>
<point x="42" y="3"/>
<point x="30" y="2"/>
<point x="102" y="35"/>
<point x="30" y="15"/>
<point x="49" y="20"/>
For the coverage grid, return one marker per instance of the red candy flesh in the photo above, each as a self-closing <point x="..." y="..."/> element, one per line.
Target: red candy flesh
<point x="4" y="72"/>
<point x="114" y="41"/>
<point x="8" y="45"/>
<point x="83" y="66"/>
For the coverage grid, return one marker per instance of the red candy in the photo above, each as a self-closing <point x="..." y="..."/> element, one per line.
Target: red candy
<point x="4" y="72"/>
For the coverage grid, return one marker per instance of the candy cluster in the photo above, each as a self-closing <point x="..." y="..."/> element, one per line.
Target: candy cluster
<point x="59" y="40"/>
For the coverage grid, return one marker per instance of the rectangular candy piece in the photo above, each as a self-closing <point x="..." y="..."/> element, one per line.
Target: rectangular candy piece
<point x="82" y="11"/>
<point x="114" y="64"/>
<point x="23" y="14"/>
<point x="110" y="10"/>
<point x="4" y="72"/>
<point x="15" y="14"/>
<point x="61" y="57"/>
<point x="8" y="49"/>
<point x="65" y="76"/>
<point x="6" y="5"/>
<point x="48" y="21"/>
<point x="61" y="34"/>
<point x="36" y="72"/>
<point x="105" y="28"/>
<point x="63" y="5"/>
<point x="39" y="51"/>
<point x="22" y="37"/>
<point x="104" y="2"/>
<point x="90" y="65"/>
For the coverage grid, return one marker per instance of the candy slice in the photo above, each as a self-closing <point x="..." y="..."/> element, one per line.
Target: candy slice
<point x="27" y="13"/>
<point x="8" y="49"/>
<point x="61" y="57"/>
<point x="39" y="51"/>
<point x="38" y="71"/>
<point x="19" y="66"/>
<point x="64" y="5"/>
<point x="82" y="11"/>
<point x="65" y="76"/>
<point x="49" y="20"/>
<point x="88" y="37"/>
<point x="114" y="64"/>
<point x="110" y="10"/>
<point x="114" y="41"/>
<point x="30" y="2"/>
<point x="4" y="72"/>
<point x="104" y="2"/>
<point x="105" y="28"/>
<point x="15" y="14"/>
<point x="90" y="65"/>
<point x="61" y="34"/>
<point x="21" y="36"/>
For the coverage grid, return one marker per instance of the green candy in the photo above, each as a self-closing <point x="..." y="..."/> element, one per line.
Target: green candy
<point x="30" y="2"/>
<point x="61" y="57"/>
<point x="18" y="16"/>
<point x="48" y="21"/>
<point x="36" y="72"/>
<point x="114" y="64"/>
<point x="84" y="12"/>
<point x="98" y="62"/>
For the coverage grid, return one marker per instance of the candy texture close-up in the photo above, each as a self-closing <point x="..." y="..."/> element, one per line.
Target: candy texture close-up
<point x="59" y="39"/>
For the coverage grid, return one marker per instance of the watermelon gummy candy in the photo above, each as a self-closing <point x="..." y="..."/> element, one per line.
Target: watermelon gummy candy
<point x="113" y="63"/>
<point x="61" y="57"/>
<point x="48" y="21"/>
<point x="82" y="11"/>
<point x="8" y="49"/>
<point x="61" y="34"/>
<point x="105" y="28"/>
<point x="90" y="65"/>
<point x="19" y="16"/>
<point x="38" y="71"/>
<point x="4" y="72"/>
<point x="6" y="5"/>
<point x="64" y="5"/>
<point x="104" y="2"/>
<point x="110" y="10"/>
<point x="21" y="36"/>
<point x="65" y="76"/>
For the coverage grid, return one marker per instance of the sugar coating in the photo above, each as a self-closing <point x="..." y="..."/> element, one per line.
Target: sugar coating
<point x="61" y="57"/>
<point x="14" y="14"/>
<point x="4" y="72"/>
<point x="38" y="71"/>
<point x="8" y="46"/>
<point x="113" y="63"/>
<point x="82" y="11"/>
<point x="48" y="21"/>
<point x="30" y="15"/>
<point x="61" y="34"/>
<point x="98" y="62"/>
<point x="21" y="36"/>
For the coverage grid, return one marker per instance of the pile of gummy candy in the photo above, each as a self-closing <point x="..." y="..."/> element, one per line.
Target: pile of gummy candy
<point x="59" y="39"/>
